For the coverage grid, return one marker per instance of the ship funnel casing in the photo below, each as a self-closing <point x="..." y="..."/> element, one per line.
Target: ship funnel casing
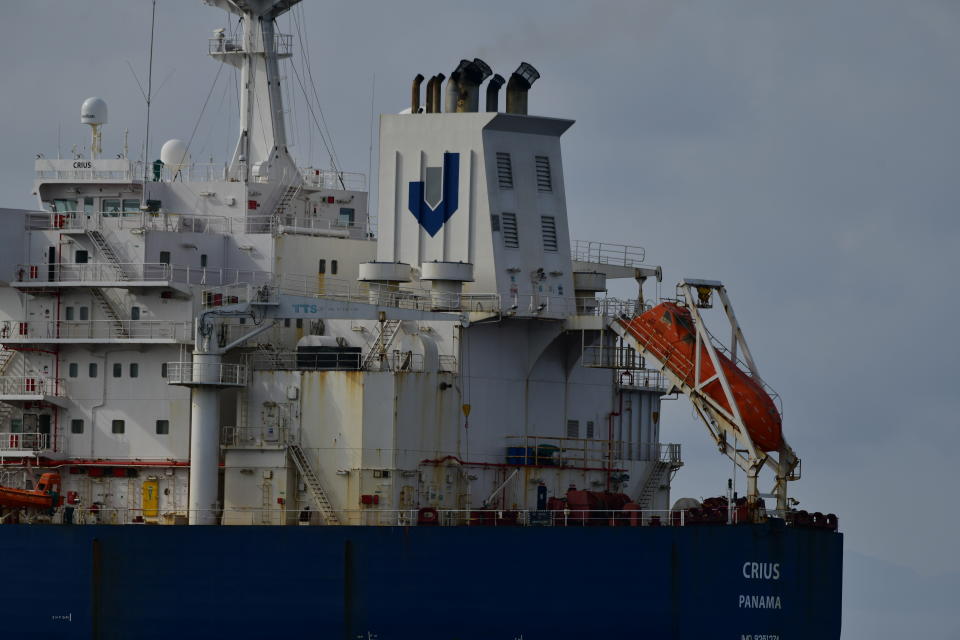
<point x="446" y="282"/>
<point x="518" y="87"/>
<point x="493" y="92"/>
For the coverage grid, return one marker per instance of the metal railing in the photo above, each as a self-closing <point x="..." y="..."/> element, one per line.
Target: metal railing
<point x="607" y="253"/>
<point x="30" y="386"/>
<point x="643" y="379"/>
<point x="347" y="291"/>
<point x="114" y="170"/>
<point x="334" y="180"/>
<point x="125" y="330"/>
<point x="94" y="272"/>
<point x="25" y="441"/>
<point x="554" y="451"/>
<point x="198" y="373"/>
<point x="282" y="45"/>
<point x="299" y="225"/>
<point x="262" y="436"/>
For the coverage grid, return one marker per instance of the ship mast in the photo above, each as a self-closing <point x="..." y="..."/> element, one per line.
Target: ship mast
<point x="261" y="151"/>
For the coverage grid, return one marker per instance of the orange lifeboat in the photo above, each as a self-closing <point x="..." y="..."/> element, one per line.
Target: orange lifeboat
<point x="45" y="496"/>
<point x="667" y="332"/>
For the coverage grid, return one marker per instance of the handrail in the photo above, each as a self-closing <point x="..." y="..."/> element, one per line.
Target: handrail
<point x="30" y="385"/>
<point x="219" y="373"/>
<point x="607" y="253"/>
<point x="127" y="330"/>
<point x="25" y="441"/>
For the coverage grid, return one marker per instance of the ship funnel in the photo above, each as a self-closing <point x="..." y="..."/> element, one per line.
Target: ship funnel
<point x="493" y="92"/>
<point x="463" y="88"/>
<point x="415" y="94"/>
<point x="520" y="83"/>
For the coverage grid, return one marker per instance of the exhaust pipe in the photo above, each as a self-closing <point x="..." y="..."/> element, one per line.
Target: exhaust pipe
<point x="493" y="92"/>
<point x="429" y="95"/>
<point x="463" y="88"/>
<point x="415" y="94"/>
<point x="520" y="83"/>
<point x="435" y="92"/>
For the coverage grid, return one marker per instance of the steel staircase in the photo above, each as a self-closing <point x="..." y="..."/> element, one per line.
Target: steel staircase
<point x="388" y="331"/>
<point x="285" y="200"/>
<point x="313" y="484"/>
<point x="111" y="311"/>
<point x="6" y="410"/>
<point x="108" y="252"/>
<point x="659" y="478"/>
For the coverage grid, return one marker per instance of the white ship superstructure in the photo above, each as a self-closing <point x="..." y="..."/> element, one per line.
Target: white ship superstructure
<point x="230" y="343"/>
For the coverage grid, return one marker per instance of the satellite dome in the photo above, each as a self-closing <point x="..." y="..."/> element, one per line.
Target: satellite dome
<point x="174" y="155"/>
<point x="93" y="111"/>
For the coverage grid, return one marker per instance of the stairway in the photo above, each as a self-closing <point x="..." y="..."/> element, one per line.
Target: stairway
<point x="109" y="254"/>
<point x="388" y="331"/>
<point x="285" y="201"/>
<point x="313" y="485"/>
<point x="112" y="312"/>
<point x="6" y="410"/>
<point x="659" y="478"/>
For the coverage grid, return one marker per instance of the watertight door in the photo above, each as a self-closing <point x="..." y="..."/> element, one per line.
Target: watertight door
<point x="151" y="498"/>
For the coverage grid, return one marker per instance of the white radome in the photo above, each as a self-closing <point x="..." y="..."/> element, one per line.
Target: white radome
<point x="93" y="111"/>
<point x="174" y="155"/>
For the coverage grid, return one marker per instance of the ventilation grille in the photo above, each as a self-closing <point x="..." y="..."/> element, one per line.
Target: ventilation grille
<point x="573" y="428"/>
<point x="548" y="226"/>
<point x="544" y="181"/>
<point x="504" y="171"/>
<point x="510" y="238"/>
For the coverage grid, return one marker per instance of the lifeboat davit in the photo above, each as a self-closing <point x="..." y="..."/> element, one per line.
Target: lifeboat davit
<point x="46" y="495"/>
<point x="667" y="332"/>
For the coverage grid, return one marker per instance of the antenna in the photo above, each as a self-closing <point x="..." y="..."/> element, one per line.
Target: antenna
<point x="146" y="142"/>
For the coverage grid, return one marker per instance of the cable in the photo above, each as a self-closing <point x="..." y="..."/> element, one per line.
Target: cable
<point x="202" y="109"/>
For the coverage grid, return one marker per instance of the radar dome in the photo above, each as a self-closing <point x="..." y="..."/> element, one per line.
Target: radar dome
<point x="174" y="156"/>
<point x="93" y="111"/>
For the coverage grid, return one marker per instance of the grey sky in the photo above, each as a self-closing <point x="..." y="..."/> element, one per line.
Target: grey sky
<point x="805" y="153"/>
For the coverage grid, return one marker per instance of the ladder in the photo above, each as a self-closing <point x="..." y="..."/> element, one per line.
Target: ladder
<point x="107" y="306"/>
<point x="6" y="357"/>
<point x="388" y="331"/>
<point x="659" y="478"/>
<point x="107" y="251"/>
<point x="313" y="484"/>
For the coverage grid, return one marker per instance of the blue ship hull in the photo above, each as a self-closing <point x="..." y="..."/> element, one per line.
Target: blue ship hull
<point x="742" y="582"/>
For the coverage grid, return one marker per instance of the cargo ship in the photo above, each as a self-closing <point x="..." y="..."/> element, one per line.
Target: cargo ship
<point x="234" y="402"/>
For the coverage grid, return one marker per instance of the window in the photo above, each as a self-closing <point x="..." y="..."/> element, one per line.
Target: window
<point x="134" y="313"/>
<point x="110" y="207"/>
<point x="544" y="181"/>
<point x="322" y="267"/>
<point x="347" y="216"/>
<point x="286" y="322"/>
<point x="573" y="428"/>
<point x="163" y="427"/>
<point x="299" y="323"/>
<point x="118" y="426"/>
<point x="203" y="260"/>
<point x="511" y="240"/>
<point x="117" y="369"/>
<point x="164" y="257"/>
<point x="76" y="426"/>
<point x="74" y="369"/>
<point x="494" y="222"/>
<point x="80" y="256"/>
<point x="589" y="428"/>
<point x="92" y="370"/>
<point x="84" y="313"/>
<point x="69" y="313"/>
<point x="333" y="267"/>
<point x="131" y="206"/>
<point x="64" y="206"/>
<point x="504" y="171"/>
<point x="163" y="369"/>
<point x="134" y="370"/>
<point x="548" y="227"/>
<point x="88" y="205"/>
